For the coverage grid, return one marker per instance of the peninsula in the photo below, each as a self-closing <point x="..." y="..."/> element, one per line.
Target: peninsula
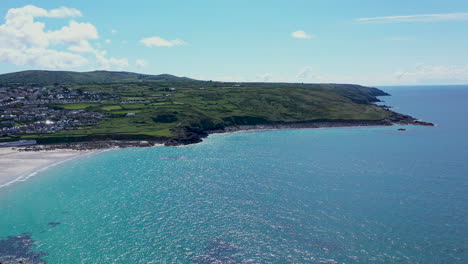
<point x="101" y="109"/>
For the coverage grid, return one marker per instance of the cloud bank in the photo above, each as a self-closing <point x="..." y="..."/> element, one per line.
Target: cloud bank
<point x="141" y="63"/>
<point x="415" y="18"/>
<point x="160" y="42"/>
<point x="24" y="41"/>
<point x="439" y="73"/>
<point x="301" y="34"/>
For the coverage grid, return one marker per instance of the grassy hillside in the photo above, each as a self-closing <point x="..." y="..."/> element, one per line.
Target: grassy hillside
<point x="165" y="106"/>
<point x="161" y="111"/>
<point x="67" y="77"/>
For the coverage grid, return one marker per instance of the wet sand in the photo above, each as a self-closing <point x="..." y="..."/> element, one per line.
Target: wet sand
<point x="16" y="166"/>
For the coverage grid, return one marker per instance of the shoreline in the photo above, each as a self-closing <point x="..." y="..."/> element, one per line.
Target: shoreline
<point x="193" y="136"/>
<point x="22" y="163"/>
<point x="309" y="126"/>
<point x="187" y="135"/>
<point x="196" y="136"/>
<point x="17" y="166"/>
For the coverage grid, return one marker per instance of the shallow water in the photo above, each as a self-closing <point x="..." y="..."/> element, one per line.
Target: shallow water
<point x="341" y="195"/>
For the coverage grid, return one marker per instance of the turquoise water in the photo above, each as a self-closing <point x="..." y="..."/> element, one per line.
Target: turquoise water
<point x="343" y="195"/>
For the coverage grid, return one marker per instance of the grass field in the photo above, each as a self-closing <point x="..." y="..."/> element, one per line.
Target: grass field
<point x="77" y="106"/>
<point x="219" y="104"/>
<point x="169" y="107"/>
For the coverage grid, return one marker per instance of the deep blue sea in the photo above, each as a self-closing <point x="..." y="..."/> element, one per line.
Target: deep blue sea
<point x="340" y="195"/>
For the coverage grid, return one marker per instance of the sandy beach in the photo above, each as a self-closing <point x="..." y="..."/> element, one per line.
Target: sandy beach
<point x="16" y="165"/>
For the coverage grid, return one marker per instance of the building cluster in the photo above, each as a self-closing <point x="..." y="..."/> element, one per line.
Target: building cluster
<point x="32" y="95"/>
<point x="30" y="110"/>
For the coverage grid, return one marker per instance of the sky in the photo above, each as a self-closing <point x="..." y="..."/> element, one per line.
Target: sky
<point x="369" y="42"/>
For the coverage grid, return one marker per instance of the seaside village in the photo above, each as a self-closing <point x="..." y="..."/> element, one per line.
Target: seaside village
<point x="30" y="110"/>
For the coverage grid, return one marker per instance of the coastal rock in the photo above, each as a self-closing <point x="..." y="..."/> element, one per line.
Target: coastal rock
<point x="192" y="135"/>
<point x="18" y="249"/>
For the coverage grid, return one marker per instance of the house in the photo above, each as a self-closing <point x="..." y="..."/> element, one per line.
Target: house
<point x="8" y="123"/>
<point x="131" y="114"/>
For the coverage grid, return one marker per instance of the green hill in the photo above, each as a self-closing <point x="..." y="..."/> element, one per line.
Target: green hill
<point x="69" y="77"/>
<point x="182" y="111"/>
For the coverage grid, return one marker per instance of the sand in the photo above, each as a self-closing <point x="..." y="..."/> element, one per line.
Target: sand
<point x="17" y="166"/>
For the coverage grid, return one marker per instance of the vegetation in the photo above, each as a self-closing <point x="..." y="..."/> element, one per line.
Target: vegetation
<point x="67" y="77"/>
<point x="169" y="109"/>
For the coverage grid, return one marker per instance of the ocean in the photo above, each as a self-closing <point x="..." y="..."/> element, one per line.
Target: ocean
<point x="334" y="195"/>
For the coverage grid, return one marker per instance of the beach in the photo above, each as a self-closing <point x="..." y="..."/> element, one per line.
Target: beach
<point x="18" y="165"/>
<point x="347" y="195"/>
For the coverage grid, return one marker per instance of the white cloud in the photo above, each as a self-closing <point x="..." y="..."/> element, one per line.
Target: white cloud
<point x="414" y="75"/>
<point x="305" y="73"/>
<point x="421" y="74"/>
<point x="114" y="31"/>
<point x="141" y="63"/>
<point x="424" y="73"/>
<point x="42" y="58"/>
<point x="415" y="18"/>
<point x="160" y="42"/>
<point x="300" y="34"/>
<point x="73" y="33"/>
<point x="24" y="41"/>
<point x="26" y="13"/>
<point x="266" y="77"/>
<point x="309" y="75"/>
<point x="20" y="30"/>
<point x="108" y="41"/>
<point x="109" y="63"/>
<point x="83" y="47"/>
<point x="63" y="12"/>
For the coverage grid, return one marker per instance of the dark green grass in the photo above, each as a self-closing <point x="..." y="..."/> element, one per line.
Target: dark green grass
<point x="67" y="77"/>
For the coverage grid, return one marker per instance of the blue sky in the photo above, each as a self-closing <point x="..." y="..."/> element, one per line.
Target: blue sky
<point x="367" y="42"/>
